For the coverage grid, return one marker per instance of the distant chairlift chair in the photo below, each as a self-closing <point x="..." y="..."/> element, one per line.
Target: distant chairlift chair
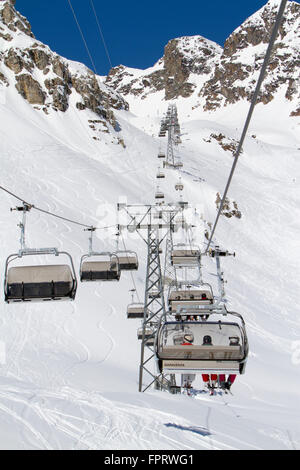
<point x="135" y="309"/>
<point x="99" y="266"/>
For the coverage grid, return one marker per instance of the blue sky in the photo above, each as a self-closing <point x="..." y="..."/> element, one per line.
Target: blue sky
<point x="135" y="31"/>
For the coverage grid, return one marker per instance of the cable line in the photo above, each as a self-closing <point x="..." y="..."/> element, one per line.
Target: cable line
<point x="32" y="206"/>
<point x="101" y="33"/>
<point x="82" y="36"/>
<point x="253" y="103"/>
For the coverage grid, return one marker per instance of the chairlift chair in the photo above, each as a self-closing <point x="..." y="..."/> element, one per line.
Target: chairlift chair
<point x="100" y="267"/>
<point x="179" y="185"/>
<point x="128" y="260"/>
<point x="195" y="298"/>
<point x="193" y="355"/>
<point x="135" y="310"/>
<point x="149" y="335"/>
<point x="160" y="174"/>
<point x="161" y="155"/>
<point x="183" y="255"/>
<point x="154" y="293"/>
<point x="159" y="194"/>
<point x="42" y="282"/>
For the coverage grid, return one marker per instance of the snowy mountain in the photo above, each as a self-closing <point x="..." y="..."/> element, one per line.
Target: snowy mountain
<point x="237" y="72"/>
<point x="215" y="77"/>
<point x="186" y="61"/>
<point x="69" y="371"/>
<point x="48" y="81"/>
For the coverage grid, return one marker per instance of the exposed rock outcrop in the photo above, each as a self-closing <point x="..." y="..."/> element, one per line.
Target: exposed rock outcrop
<point x="13" y="19"/>
<point x="216" y="77"/>
<point x="227" y="144"/>
<point x="184" y="58"/>
<point x="227" y="210"/>
<point x="236" y="74"/>
<point x="30" y="89"/>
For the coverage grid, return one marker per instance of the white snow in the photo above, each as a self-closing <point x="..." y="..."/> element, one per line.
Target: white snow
<point x="69" y="371"/>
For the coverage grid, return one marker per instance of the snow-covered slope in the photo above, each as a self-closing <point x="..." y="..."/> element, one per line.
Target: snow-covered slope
<point x="69" y="373"/>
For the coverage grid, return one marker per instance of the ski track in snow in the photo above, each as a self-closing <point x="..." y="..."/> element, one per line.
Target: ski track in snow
<point x="52" y="394"/>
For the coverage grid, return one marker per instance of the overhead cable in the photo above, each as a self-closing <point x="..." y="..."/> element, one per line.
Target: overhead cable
<point x="82" y="36"/>
<point x="249" y="116"/>
<point x="101" y="33"/>
<point x="32" y="206"/>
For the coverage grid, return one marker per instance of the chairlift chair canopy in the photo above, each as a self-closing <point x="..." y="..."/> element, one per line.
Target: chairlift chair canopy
<point x="180" y="347"/>
<point x="43" y="282"/>
<point x="100" y="267"/>
<point x="181" y="300"/>
<point x="179" y="186"/>
<point x="128" y="260"/>
<point x="159" y="195"/>
<point x="184" y="255"/>
<point x="135" y="310"/>
<point x="160" y="174"/>
<point x="149" y="335"/>
<point x="154" y="293"/>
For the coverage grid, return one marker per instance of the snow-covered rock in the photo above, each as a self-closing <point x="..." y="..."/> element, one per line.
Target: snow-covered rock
<point x="45" y="79"/>
<point x="215" y="77"/>
<point x="187" y="61"/>
<point x="237" y="71"/>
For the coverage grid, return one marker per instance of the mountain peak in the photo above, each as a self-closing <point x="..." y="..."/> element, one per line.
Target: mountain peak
<point x="12" y="20"/>
<point x="184" y="58"/>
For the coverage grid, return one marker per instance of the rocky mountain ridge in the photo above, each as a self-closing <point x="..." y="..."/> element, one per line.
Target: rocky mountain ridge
<point x="192" y="67"/>
<point x="183" y="59"/>
<point x="215" y="77"/>
<point x="236" y="73"/>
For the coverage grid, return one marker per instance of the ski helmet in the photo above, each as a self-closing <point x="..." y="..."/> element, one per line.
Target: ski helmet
<point x="207" y="340"/>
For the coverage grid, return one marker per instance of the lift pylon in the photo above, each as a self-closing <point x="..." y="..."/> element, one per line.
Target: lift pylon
<point x="142" y="218"/>
<point x="154" y="308"/>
